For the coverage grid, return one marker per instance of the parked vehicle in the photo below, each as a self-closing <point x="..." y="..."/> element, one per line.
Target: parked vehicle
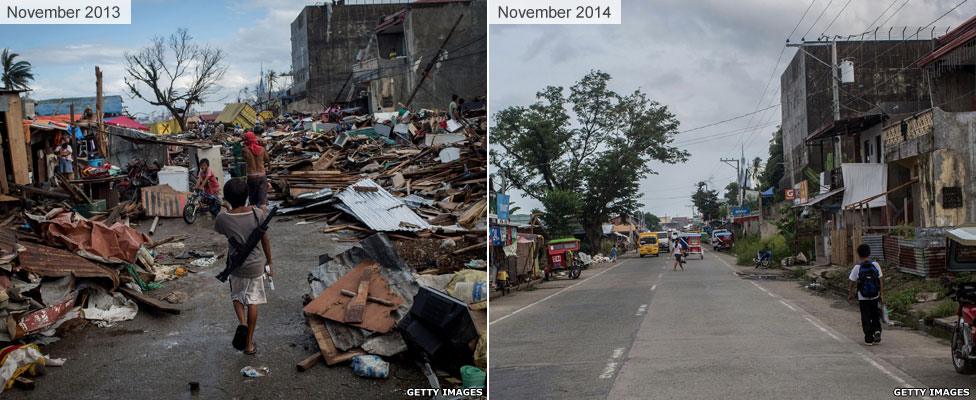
<point x="694" y="243"/>
<point x="713" y="237"/>
<point x="663" y="242"/>
<point x="564" y="258"/>
<point x="763" y="259"/>
<point x="139" y="175"/>
<point x="961" y="257"/>
<point x="647" y="244"/>
<point x="199" y="202"/>
<point x="722" y="241"/>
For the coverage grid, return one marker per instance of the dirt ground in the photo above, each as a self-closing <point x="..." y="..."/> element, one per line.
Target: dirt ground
<point x="157" y="356"/>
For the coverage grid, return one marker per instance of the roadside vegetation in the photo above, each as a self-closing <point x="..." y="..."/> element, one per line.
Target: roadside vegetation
<point x="745" y="248"/>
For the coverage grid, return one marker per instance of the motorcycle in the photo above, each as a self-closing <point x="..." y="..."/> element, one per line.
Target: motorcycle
<point x="199" y="201"/>
<point x="963" y="335"/>
<point x="763" y="259"/>
<point x="139" y="175"/>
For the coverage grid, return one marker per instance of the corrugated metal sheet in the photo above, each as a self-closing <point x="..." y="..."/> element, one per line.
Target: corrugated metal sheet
<point x="111" y="105"/>
<point x="379" y="209"/>
<point x="53" y="262"/>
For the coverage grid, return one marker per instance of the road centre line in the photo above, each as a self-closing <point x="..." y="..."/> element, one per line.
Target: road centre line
<point x="787" y="305"/>
<point x="530" y="305"/>
<point x="611" y="367"/>
<point x="653" y="287"/>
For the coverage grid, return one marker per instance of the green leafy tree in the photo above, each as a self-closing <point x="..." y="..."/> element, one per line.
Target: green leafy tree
<point x="706" y="201"/>
<point x="652" y="222"/>
<point x="593" y="141"/>
<point x="560" y="216"/>
<point x="773" y="173"/>
<point x="732" y="193"/>
<point x="16" y="74"/>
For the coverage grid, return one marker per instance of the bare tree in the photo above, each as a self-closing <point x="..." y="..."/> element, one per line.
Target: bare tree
<point x="174" y="73"/>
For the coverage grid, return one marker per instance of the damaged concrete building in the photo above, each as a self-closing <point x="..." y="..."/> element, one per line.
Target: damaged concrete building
<point x="375" y="55"/>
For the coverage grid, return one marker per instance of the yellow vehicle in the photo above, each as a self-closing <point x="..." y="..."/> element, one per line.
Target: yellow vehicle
<point x="647" y="244"/>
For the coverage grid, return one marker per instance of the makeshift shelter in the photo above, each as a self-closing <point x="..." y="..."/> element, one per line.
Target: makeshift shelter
<point x="238" y="114"/>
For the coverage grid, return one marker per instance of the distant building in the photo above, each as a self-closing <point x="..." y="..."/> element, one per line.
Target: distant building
<point x="111" y="106"/>
<point x="325" y="40"/>
<point x="374" y="55"/>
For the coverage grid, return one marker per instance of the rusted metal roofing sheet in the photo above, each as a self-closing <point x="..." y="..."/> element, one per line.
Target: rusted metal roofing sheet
<point x="379" y="209"/>
<point x="53" y="262"/>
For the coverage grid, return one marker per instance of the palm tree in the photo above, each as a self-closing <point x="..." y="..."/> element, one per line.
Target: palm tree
<point x="15" y="74"/>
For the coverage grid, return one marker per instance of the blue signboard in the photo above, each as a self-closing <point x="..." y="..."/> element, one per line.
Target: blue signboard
<point x="496" y="236"/>
<point x="503" y="201"/>
<point x="740" y="211"/>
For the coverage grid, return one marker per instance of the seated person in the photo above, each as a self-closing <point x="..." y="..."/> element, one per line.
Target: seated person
<point x="207" y="183"/>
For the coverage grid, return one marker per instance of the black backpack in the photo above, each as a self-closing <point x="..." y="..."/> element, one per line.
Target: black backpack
<point x="868" y="281"/>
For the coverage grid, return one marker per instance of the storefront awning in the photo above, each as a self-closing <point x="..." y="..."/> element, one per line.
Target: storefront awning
<point x="820" y="197"/>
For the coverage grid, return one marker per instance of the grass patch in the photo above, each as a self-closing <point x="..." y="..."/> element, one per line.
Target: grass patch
<point x="745" y="249"/>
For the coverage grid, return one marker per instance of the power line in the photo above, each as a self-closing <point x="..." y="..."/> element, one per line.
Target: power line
<point x="816" y="20"/>
<point x="726" y="120"/>
<point x="835" y="17"/>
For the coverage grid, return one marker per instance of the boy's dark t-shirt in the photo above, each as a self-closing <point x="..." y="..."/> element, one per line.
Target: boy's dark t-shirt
<point x="239" y="226"/>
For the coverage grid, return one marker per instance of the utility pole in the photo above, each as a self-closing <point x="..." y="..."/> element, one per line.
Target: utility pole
<point x="738" y="174"/>
<point x="835" y="79"/>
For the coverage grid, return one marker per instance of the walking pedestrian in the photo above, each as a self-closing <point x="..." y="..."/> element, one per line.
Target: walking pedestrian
<point x="865" y="278"/>
<point x="247" y="281"/>
<point x="677" y="253"/>
<point x="613" y="253"/>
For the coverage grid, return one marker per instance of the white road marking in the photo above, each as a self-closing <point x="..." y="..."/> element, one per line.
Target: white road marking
<point x="822" y="329"/>
<point x="726" y="263"/>
<point x="787" y="305"/>
<point x="617" y="353"/>
<point x="653" y="287"/>
<point x="530" y="305"/>
<point x="660" y="275"/>
<point x="640" y="311"/>
<point x="611" y="367"/>
<point x="763" y="289"/>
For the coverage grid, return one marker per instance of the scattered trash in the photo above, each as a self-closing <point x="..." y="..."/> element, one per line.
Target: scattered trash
<point x="473" y="377"/>
<point x="252" y="372"/>
<point x="370" y="366"/>
<point x="204" y="262"/>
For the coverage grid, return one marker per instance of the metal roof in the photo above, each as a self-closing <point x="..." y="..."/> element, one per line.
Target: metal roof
<point x="111" y="105"/>
<point x="965" y="235"/>
<point x="379" y="209"/>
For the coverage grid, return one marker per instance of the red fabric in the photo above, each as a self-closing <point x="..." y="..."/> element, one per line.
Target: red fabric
<point x="251" y="141"/>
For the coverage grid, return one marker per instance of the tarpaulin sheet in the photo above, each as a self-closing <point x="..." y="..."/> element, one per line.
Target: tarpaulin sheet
<point x="115" y="244"/>
<point x="864" y="180"/>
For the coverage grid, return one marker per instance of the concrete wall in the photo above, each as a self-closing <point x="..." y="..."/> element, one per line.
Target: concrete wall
<point x="464" y="71"/>
<point x="332" y="36"/>
<point x="951" y="164"/>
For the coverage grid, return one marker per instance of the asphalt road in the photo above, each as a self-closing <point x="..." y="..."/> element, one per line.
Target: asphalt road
<point x="637" y="329"/>
<point x="157" y="356"/>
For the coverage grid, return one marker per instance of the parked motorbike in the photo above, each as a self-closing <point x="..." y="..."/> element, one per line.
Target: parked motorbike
<point x="963" y="336"/>
<point x="198" y="202"/>
<point x="139" y="175"/>
<point x="763" y="259"/>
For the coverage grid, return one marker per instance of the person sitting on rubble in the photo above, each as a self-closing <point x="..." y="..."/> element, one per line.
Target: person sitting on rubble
<point x="208" y="185"/>
<point x="255" y="158"/>
<point x="247" y="281"/>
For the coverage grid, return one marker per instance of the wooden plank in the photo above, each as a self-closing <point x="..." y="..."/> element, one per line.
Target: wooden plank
<point x="327" y="348"/>
<point x="309" y="362"/>
<point x="149" y="301"/>
<point x="16" y="141"/>
<point x="355" y="308"/>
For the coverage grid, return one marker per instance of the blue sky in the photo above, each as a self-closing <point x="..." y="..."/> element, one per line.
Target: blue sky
<point x="251" y="32"/>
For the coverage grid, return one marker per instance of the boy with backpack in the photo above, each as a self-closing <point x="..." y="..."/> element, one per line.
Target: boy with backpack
<point x="866" y="279"/>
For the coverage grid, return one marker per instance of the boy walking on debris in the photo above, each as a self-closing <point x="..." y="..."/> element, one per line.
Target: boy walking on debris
<point x="866" y="279"/>
<point x="247" y="281"/>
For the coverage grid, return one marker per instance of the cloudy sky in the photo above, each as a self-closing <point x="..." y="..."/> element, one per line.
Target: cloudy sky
<point x="707" y="60"/>
<point x="251" y="32"/>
